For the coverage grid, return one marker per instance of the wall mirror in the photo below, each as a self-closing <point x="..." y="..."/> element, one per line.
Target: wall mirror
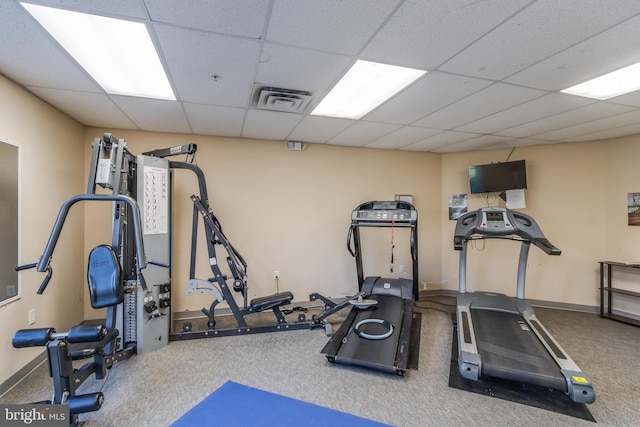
<point x="9" y="217"/>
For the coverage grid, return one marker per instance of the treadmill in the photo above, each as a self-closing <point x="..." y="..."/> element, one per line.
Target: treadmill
<point x="381" y="332"/>
<point x="500" y="336"/>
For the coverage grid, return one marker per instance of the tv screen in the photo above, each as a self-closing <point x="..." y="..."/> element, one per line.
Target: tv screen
<point x="497" y="177"/>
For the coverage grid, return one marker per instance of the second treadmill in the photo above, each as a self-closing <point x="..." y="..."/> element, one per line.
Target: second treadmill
<point x="500" y="336"/>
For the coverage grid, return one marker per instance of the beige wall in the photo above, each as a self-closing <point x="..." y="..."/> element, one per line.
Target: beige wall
<point x="290" y="211"/>
<point x="51" y="172"/>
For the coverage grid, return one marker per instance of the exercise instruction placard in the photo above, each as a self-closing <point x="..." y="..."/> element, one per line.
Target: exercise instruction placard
<point x="156" y="200"/>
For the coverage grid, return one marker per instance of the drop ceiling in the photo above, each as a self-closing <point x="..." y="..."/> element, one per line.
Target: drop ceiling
<point x="495" y="69"/>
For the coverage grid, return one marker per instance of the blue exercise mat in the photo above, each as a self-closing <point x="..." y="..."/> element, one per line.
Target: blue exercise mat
<point x="239" y="405"/>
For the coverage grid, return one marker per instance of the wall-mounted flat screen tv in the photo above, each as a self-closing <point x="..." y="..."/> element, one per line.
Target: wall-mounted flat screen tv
<point x="497" y="177"/>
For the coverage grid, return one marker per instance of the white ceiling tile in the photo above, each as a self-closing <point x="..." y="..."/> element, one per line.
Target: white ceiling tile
<point x="632" y="98"/>
<point x="592" y="126"/>
<point x="490" y="100"/>
<point x="562" y="120"/>
<point x="519" y="142"/>
<point x="90" y="109"/>
<point x="440" y="140"/>
<point x="329" y="25"/>
<point x="478" y="143"/>
<point x="262" y="124"/>
<point x="363" y="133"/>
<point x="404" y="136"/>
<point x="154" y="114"/>
<point x="232" y="59"/>
<point x="607" y="134"/>
<point x="319" y="129"/>
<point x="300" y="69"/>
<point x="424" y="34"/>
<point x="431" y="93"/>
<point x="560" y="134"/>
<point x="213" y="120"/>
<point x="529" y="111"/>
<point x="605" y="52"/>
<point x="537" y="32"/>
<point x="239" y="18"/>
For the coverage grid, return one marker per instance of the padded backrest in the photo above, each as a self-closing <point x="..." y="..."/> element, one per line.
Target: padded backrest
<point x="104" y="277"/>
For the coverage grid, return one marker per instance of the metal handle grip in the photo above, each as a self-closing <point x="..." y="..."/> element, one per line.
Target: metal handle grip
<point x="26" y="266"/>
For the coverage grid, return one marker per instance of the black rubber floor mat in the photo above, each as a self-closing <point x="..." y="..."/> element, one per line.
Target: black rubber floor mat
<point x="526" y="394"/>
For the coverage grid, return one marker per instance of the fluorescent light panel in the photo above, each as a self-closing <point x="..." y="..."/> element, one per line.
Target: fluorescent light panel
<point x="364" y="87"/>
<point x="610" y="85"/>
<point x="118" y="54"/>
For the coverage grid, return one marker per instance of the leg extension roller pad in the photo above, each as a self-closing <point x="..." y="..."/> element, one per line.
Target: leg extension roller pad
<point x="86" y="333"/>
<point x="32" y="337"/>
<point x="85" y="403"/>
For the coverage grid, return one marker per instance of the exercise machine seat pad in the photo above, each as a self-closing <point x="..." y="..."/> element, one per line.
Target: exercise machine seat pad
<point x="103" y="275"/>
<point x="270" y="301"/>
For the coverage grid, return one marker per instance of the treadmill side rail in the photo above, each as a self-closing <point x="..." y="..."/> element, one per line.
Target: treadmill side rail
<point x="579" y="386"/>
<point x="469" y="360"/>
<point x="402" y="354"/>
<point x="560" y="356"/>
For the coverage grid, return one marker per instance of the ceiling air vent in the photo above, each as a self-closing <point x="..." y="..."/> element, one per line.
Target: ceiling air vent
<point x="284" y="100"/>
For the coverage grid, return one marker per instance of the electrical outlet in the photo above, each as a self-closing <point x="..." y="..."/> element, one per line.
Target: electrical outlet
<point x="32" y="316"/>
<point x="401" y="268"/>
<point x="276" y="274"/>
<point x="424" y="285"/>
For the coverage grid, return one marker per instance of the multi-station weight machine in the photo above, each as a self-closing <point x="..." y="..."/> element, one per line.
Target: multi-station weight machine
<point x="131" y="276"/>
<point x="134" y="289"/>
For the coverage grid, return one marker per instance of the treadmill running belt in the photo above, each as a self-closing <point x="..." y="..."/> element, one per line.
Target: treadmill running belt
<point x="509" y="349"/>
<point x="375" y="354"/>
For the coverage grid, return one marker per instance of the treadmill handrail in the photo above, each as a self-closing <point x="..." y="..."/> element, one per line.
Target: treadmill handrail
<point x="350" y="238"/>
<point x="521" y="225"/>
<point x="547" y="247"/>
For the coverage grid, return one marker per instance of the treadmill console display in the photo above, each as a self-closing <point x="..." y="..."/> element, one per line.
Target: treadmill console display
<point x="496" y="220"/>
<point x="384" y="212"/>
<point x="384" y="215"/>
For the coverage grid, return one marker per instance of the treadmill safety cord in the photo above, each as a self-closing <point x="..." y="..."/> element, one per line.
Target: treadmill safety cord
<point x="393" y="222"/>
